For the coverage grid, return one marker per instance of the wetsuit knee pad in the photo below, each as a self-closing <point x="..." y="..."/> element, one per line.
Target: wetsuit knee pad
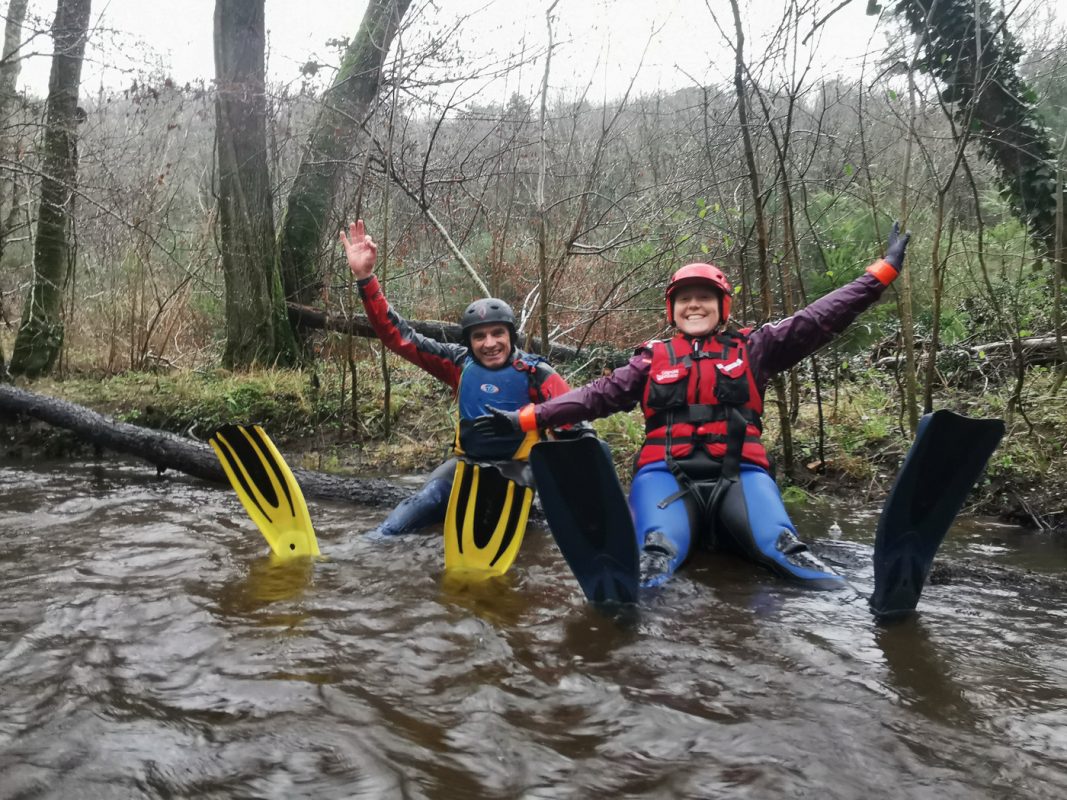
<point x="754" y="516"/>
<point x="667" y="528"/>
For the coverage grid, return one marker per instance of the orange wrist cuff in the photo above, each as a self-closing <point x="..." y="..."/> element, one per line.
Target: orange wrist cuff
<point x="883" y="271"/>
<point x="528" y="418"/>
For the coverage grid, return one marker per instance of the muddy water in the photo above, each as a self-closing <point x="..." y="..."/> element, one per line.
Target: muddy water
<point x="148" y="649"/>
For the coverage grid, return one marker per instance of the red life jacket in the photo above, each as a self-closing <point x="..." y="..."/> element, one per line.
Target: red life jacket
<point x="692" y="396"/>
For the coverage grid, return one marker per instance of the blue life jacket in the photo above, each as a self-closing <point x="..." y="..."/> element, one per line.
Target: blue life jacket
<point x="506" y="388"/>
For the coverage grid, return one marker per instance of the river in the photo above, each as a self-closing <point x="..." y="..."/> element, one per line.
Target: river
<point x="149" y="649"/>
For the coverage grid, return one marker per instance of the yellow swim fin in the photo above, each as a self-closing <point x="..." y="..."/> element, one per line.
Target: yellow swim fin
<point x="267" y="489"/>
<point x="486" y="518"/>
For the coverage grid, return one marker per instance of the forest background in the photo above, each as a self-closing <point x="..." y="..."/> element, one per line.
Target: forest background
<point x="168" y="249"/>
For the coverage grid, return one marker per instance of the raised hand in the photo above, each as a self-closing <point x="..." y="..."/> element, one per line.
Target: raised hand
<point x="360" y="250"/>
<point x="894" y="254"/>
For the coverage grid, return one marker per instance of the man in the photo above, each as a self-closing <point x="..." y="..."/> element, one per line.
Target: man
<point x="486" y="371"/>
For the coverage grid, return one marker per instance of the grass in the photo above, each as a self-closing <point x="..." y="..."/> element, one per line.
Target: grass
<point x="312" y="414"/>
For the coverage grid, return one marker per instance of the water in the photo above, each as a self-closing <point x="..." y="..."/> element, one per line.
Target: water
<point x="149" y="649"/>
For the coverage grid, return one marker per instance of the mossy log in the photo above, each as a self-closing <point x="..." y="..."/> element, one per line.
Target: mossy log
<point x="310" y="318"/>
<point x="169" y="451"/>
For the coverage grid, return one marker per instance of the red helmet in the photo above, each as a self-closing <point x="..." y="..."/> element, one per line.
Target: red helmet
<point x="692" y="274"/>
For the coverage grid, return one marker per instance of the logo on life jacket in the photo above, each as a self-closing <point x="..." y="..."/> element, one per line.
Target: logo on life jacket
<point x="489" y="388"/>
<point x="733" y="369"/>
<point x="667" y="374"/>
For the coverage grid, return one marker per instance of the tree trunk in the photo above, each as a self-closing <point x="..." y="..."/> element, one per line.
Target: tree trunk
<point x="40" y="335"/>
<point x="257" y="330"/>
<point x="937" y="281"/>
<point x="542" y="207"/>
<point x="761" y="228"/>
<point x="337" y="128"/>
<point x="1059" y="269"/>
<point x="907" y="317"/>
<point x="10" y="65"/>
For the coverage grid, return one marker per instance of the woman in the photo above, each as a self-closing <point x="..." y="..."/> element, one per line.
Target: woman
<point x="703" y="468"/>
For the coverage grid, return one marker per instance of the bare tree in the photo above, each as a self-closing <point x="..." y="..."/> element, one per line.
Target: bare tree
<point x="257" y="330"/>
<point x="762" y="239"/>
<point x="40" y="336"/>
<point x="336" y="130"/>
<point x="10" y="64"/>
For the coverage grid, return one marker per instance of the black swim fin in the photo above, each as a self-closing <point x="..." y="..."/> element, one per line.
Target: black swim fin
<point x="589" y="517"/>
<point x="948" y="455"/>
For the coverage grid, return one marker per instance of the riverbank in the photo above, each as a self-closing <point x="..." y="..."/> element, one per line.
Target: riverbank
<point x="321" y="424"/>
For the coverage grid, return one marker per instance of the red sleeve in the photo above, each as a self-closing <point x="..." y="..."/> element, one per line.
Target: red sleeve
<point x="547" y="384"/>
<point x="440" y="359"/>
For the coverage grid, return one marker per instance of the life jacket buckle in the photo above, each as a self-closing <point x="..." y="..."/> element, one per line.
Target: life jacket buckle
<point x="698" y="414"/>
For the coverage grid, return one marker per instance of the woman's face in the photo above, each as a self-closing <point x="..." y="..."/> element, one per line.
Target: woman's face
<point x="696" y="310"/>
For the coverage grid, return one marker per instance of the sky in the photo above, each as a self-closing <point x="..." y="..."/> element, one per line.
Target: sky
<point x="599" y="42"/>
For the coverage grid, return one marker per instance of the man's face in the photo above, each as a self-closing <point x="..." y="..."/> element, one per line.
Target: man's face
<point x="491" y="344"/>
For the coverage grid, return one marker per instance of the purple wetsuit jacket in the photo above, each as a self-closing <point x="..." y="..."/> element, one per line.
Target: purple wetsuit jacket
<point x="771" y="348"/>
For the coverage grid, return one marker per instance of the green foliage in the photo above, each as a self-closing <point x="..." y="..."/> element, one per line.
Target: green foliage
<point x="625" y="433"/>
<point x="862" y="429"/>
<point x="208" y="305"/>
<point x="1021" y="295"/>
<point x="847" y="241"/>
<point x="969" y="49"/>
<point x="478" y="247"/>
<point x="641" y="252"/>
<point x="794" y="495"/>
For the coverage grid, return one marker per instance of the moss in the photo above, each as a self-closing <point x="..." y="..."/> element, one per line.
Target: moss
<point x="311" y="414"/>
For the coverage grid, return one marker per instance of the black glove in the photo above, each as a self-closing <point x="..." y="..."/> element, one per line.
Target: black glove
<point x="578" y="430"/>
<point x="894" y="254"/>
<point x="497" y="423"/>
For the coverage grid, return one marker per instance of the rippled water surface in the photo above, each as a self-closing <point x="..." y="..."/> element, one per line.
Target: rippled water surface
<point x="149" y="649"/>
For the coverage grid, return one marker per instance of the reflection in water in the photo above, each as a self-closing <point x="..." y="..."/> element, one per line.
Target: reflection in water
<point x="150" y="649"/>
<point x="492" y="598"/>
<point x="921" y="673"/>
<point x="269" y="580"/>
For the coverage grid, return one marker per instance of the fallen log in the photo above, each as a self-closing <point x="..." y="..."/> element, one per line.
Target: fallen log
<point x="169" y="451"/>
<point x="310" y="318"/>
<point x="1036" y="351"/>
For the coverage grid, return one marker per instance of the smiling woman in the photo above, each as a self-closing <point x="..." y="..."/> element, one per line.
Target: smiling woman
<point x="698" y="299"/>
<point x="703" y="474"/>
<point x="696" y="311"/>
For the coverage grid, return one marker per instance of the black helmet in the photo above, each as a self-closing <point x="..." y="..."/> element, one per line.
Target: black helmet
<point x="488" y="309"/>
